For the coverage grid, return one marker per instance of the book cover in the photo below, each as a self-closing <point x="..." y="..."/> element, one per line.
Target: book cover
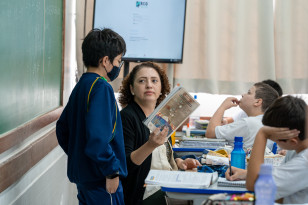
<point x="172" y="111"/>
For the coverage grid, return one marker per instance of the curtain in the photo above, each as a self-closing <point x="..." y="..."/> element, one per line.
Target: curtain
<point x="291" y="45"/>
<point x="231" y="44"/>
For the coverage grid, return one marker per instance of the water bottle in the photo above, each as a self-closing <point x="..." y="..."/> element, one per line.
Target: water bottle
<point x="265" y="187"/>
<point x="238" y="155"/>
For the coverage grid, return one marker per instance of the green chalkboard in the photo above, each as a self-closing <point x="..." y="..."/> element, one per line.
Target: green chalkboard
<point x="30" y="60"/>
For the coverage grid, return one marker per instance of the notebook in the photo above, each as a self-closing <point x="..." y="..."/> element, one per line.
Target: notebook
<point x="179" y="179"/>
<point x="224" y="182"/>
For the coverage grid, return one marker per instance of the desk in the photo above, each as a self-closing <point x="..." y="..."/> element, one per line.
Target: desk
<point x="199" y="195"/>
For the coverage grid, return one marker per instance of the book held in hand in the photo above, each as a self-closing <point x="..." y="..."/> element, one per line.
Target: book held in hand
<point x="172" y="111"/>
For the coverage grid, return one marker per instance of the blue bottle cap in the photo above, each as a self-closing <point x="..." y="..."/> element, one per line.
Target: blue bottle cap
<point x="195" y="97"/>
<point x="238" y="139"/>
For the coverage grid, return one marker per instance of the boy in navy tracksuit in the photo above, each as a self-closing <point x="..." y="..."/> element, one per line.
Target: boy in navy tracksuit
<point x="90" y="128"/>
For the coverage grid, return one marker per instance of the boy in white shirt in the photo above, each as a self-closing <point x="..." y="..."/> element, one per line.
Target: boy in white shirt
<point x="285" y="124"/>
<point x="254" y="103"/>
<point x="241" y="114"/>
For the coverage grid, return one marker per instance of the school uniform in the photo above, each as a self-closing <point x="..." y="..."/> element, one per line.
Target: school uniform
<point x="291" y="178"/>
<point x="90" y="133"/>
<point x="246" y="127"/>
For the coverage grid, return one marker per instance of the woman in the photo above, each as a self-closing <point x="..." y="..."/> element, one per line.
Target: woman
<point x="142" y="90"/>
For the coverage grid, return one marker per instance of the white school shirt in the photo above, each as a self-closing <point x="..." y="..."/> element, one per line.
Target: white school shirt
<point x="240" y="115"/>
<point x="291" y="178"/>
<point x="246" y="127"/>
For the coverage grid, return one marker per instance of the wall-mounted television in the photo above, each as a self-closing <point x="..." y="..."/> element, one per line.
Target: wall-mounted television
<point x="152" y="29"/>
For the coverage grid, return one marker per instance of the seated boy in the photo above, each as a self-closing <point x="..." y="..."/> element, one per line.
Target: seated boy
<point x="285" y="124"/>
<point x="254" y="103"/>
<point x="241" y="114"/>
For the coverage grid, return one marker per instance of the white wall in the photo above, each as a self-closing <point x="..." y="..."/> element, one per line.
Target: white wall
<point x="210" y="102"/>
<point x="46" y="183"/>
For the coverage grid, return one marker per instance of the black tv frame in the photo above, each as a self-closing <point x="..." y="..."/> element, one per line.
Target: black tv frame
<point x="157" y="60"/>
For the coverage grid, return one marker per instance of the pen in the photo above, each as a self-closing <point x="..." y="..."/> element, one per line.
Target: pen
<point x="230" y="168"/>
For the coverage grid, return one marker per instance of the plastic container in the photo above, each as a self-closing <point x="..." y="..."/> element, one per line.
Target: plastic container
<point x="265" y="187"/>
<point x="194" y="116"/>
<point x="238" y="155"/>
<point x="173" y="138"/>
<point x="188" y="130"/>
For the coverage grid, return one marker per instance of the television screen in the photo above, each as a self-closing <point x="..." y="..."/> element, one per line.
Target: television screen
<point x="152" y="29"/>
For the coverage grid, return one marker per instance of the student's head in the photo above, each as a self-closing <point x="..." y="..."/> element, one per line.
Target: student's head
<point x="274" y="85"/>
<point x="102" y="43"/>
<point x="258" y="97"/>
<point x="287" y="112"/>
<point x="147" y="82"/>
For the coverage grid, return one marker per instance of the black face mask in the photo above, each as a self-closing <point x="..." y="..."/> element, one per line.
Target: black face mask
<point x="114" y="73"/>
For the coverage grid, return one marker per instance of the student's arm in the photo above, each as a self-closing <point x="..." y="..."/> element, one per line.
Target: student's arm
<point x="100" y="120"/>
<point x="62" y="131"/>
<point x="256" y="159"/>
<point x="257" y="154"/>
<point x="216" y="119"/>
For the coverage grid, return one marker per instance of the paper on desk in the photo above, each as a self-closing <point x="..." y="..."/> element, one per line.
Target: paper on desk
<point x="215" y="160"/>
<point x="226" y="183"/>
<point x="179" y="179"/>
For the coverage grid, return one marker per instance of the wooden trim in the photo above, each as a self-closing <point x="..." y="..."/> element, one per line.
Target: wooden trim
<point x="63" y="50"/>
<point x="14" y="168"/>
<point x="19" y="134"/>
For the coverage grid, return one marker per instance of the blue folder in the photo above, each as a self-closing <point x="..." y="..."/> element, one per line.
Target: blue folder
<point x="196" y="132"/>
<point x="184" y="149"/>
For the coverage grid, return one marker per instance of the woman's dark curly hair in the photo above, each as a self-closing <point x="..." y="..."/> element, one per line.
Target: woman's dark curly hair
<point x="126" y="96"/>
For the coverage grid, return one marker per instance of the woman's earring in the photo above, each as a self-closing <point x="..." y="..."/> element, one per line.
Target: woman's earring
<point x="133" y="93"/>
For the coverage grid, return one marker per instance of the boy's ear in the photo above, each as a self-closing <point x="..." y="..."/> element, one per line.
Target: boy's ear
<point x="294" y="141"/>
<point x="103" y="61"/>
<point x="258" y="102"/>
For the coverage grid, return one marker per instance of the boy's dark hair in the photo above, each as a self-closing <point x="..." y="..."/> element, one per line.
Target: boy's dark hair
<point x="288" y="112"/>
<point x="274" y="85"/>
<point x="266" y="93"/>
<point x="126" y="96"/>
<point x="99" y="43"/>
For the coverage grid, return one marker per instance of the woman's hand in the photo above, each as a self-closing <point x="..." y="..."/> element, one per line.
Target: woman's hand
<point x="237" y="174"/>
<point x="158" y="137"/>
<point x="188" y="163"/>
<point x="112" y="185"/>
